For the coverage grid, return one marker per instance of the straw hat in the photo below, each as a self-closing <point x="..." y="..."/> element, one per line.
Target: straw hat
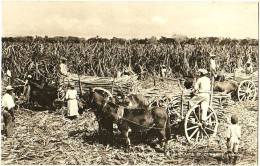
<point x="203" y="71"/>
<point x="63" y="58"/>
<point x="9" y="87"/>
<point x="249" y="61"/>
<point x="212" y="55"/>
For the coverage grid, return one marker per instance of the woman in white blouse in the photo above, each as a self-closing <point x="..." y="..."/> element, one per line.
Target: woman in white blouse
<point x="72" y="102"/>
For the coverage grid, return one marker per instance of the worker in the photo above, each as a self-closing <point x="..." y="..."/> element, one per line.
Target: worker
<point x="249" y="67"/>
<point x="213" y="66"/>
<point x="163" y="71"/>
<point x="202" y="92"/>
<point x="8" y="106"/>
<point x="7" y="78"/>
<point x="63" y="70"/>
<point x="233" y="136"/>
<point x="72" y="101"/>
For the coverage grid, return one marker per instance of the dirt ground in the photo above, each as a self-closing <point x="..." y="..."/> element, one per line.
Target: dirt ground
<point x="49" y="138"/>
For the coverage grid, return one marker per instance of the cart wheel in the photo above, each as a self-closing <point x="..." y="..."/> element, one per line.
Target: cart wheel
<point x="160" y="102"/>
<point x="195" y="130"/>
<point x="246" y="90"/>
<point x="104" y="92"/>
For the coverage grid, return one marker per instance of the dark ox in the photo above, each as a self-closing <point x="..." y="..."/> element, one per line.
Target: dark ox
<point x="225" y="86"/>
<point x="44" y="95"/>
<point x="140" y="119"/>
<point x="95" y="101"/>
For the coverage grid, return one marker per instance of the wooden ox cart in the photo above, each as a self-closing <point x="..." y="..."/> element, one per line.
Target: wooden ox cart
<point x="176" y="102"/>
<point x="248" y="84"/>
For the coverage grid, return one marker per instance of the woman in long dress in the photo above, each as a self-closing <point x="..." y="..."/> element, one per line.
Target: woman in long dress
<point x="72" y="102"/>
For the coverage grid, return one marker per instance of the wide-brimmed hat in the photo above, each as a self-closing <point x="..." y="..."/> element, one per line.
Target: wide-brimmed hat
<point x="212" y="55"/>
<point x="248" y="62"/>
<point x="203" y="71"/>
<point x="9" y="87"/>
<point x="63" y="58"/>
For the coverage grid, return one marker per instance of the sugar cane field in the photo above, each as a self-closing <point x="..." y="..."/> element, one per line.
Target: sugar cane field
<point x="45" y="136"/>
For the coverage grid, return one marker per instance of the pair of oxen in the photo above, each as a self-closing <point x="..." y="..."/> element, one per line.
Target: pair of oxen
<point x="129" y="113"/>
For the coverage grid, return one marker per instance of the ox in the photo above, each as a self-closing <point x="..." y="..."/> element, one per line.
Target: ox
<point x="221" y="85"/>
<point x="44" y="95"/>
<point x="95" y="101"/>
<point x="139" y="119"/>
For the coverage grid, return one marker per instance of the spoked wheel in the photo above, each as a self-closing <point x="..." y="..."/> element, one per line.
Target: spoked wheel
<point x="246" y="91"/>
<point x="160" y="102"/>
<point x="195" y="130"/>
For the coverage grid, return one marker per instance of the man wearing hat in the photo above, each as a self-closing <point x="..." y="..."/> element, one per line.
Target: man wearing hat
<point x="7" y="78"/>
<point x="72" y="101"/>
<point x="249" y="67"/>
<point x="27" y="88"/>
<point x="202" y="90"/>
<point x="63" y="70"/>
<point x="8" y="106"/>
<point x="213" y="66"/>
<point x="163" y="71"/>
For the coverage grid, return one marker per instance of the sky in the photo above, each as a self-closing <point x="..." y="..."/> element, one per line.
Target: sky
<point x="130" y="19"/>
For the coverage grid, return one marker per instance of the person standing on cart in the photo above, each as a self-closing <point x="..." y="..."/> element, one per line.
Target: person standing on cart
<point x="64" y="74"/>
<point x="202" y="93"/>
<point x="249" y="67"/>
<point x="213" y="66"/>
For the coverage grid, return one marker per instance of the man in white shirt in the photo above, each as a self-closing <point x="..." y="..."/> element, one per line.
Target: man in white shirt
<point x="163" y="71"/>
<point x="8" y="106"/>
<point x="202" y="91"/>
<point x="63" y="70"/>
<point x="7" y="78"/>
<point x="213" y="66"/>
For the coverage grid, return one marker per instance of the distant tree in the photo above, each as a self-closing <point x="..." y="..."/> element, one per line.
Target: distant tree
<point x="225" y="41"/>
<point x="72" y="39"/>
<point x="166" y="40"/>
<point x="152" y="40"/>
<point x="118" y="40"/>
<point x="244" y="42"/>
